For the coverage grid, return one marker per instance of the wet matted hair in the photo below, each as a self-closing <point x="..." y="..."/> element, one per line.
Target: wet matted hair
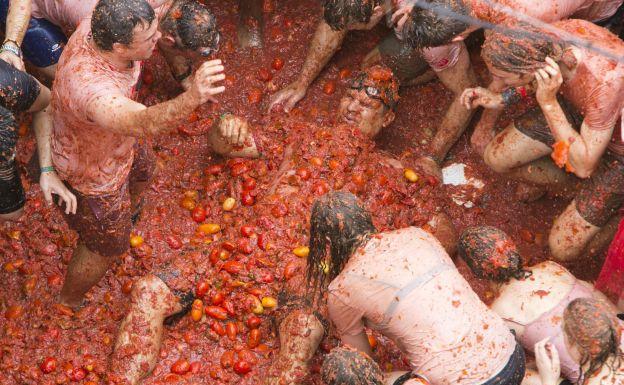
<point x="516" y="52"/>
<point x="113" y="21"/>
<point x="347" y="366"/>
<point x="340" y="224"/>
<point x="338" y="14"/>
<point x="431" y="27"/>
<point x="193" y="24"/>
<point x="491" y="254"/>
<point x="594" y="328"/>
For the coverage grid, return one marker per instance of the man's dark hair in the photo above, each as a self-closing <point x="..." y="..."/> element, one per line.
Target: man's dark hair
<point x="346" y="366"/>
<point x="193" y="24"/>
<point x="338" y="14"/>
<point x="113" y="21"/>
<point x="430" y="25"/>
<point x="339" y="223"/>
<point x="491" y="254"/>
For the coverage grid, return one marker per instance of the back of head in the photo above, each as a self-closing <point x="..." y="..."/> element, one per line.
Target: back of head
<point x="432" y="23"/>
<point x="593" y="328"/>
<point x="490" y="254"/>
<point x="521" y="50"/>
<point x="338" y="14"/>
<point x="339" y="223"/>
<point x="113" y="21"/>
<point x="193" y="25"/>
<point x="345" y="366"/>
<point x="379" y="82"/>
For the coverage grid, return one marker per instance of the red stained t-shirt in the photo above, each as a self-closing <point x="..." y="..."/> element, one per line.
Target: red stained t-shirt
<point x="91" y="158"/>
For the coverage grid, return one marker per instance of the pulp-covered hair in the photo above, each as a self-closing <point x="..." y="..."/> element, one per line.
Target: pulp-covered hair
<point x="339" y="224"/>
<point x="346" y="366"/>
<point x="594" y="329"/>
<point x="516" y="52"/>
<point x="338" y="14"/>
<point x="193" y="24"/>
<point x="491" y="254"/>
<point x="431" y="26"/>
<point x="379" y="82"/>
<point x="113" y="21"/>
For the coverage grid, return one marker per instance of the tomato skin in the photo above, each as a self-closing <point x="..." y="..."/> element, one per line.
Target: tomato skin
<point x="214" y="169"/>
<point x="278" y="64"/>
<point x="201" y="289"/>
<point x="231" y="330"/>
<point x="48" y="365"/>
<point x="254" y="338"/>
<point x="249" y="184"/>
<point x="242" y="367"/>
<point x="233" y="267"/>
<point x="247" y="199"/>
<point x="218" y="328"/>
<point x="329" y="88"/>
<point x="78" y="374"/>
<point x="247" y="231"/>
<point x="181" y="367"/>
<point x="218" y="298"/>
<point x="304" y="173"/>
<point x="227" y="359"/>
<point x="254" y="322"/>
<point x="290" y="270"/>
<point x="216" y="312"/>
<point x="173" y="242"/>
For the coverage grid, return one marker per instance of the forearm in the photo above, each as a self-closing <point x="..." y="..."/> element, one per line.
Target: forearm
<point x="325" y="43"/>
<point x="42" y="125"/>
<point x="161" y="118"/>
<point x="17" y="20"/>
<point x="563" y="131"/>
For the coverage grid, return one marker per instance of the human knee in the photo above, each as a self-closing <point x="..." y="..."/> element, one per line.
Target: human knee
<point x="495" y="159"/>
<point x="148" y="288"/>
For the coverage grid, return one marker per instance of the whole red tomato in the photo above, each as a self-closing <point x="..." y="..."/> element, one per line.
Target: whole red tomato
<point x="242" y="367"/>
<point x="48" y="365"/>
<point x="198" y="214"/>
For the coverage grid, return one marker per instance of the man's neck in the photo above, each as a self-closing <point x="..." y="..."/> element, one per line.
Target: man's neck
<point x="113" y="59"/>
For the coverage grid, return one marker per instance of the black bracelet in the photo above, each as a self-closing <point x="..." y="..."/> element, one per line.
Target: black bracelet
<point x="511" y="96"/>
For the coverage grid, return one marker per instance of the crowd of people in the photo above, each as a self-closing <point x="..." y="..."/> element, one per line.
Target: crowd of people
<point x="94" y="151"/>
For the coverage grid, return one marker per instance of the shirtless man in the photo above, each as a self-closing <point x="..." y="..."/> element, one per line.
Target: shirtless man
<point x="185" y="37"/>
<point x="423" y="27"/>
<point x="587" y="145"/>
<point x="100" y="139"/>
<point x="530" y="300"/>
<point x="403" y="284"/>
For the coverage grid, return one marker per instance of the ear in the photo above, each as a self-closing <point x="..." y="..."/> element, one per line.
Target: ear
<point x="167" y="40"/>
<point x="458" y="38"/>
<point x="118" y="47"/>
<point x="388" y="118"/>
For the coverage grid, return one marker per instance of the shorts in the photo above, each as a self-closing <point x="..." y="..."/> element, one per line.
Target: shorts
<point x="444" y="57"/>
<point x="513" y="372"/>
<point x="18" y="90"/>
<point x="405" y="62"/>
<point x="12" y="196"/>
<point x="43" y="42"/>
<point x="104" y="222"/>
<point x="603" y="193"/>
<point x="534" y="125"/>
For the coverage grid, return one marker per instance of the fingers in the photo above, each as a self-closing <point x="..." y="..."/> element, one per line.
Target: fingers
<point x="242" y="135"/>
<point x="278" y="98"/>
<point x="554" y="355"/>
<point x="47" y="195"/>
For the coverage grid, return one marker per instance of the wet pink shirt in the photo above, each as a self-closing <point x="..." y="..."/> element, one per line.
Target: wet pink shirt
<point x="549" y="11"/>
<point x="403" y="284"/>
<point x="92" y="159"/>
<point x="67" y="14"/>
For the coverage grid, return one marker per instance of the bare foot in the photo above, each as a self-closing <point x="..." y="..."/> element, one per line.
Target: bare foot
<point x="429" y="167"/>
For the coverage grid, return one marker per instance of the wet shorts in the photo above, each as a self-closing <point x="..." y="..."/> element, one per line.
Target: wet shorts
<point x="603" y="193"/>
<point x="513" y="372"/>
<point x="444" y="57"/>
<point x="104" y="222"/>
<point x="43" y="42"/>
<point x="405" y="62"/>
<point x="12" y="196"/>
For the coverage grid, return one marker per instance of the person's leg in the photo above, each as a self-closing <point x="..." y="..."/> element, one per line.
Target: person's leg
<point x="456" y="78"/>
<point x="141" y="174"/>
<point x="103" y="225"/>
<point x="12" y="195"/>
<point x="590" y="211"/>
<point x="140" y="333"/>
<point x="441" y="227"/>
<point x="300" y="334"/>
<point x="407" y="64"/>
<point x="250" y="24"/>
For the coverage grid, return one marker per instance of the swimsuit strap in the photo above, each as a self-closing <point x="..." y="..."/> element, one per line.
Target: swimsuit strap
<point x="416" y="283"/>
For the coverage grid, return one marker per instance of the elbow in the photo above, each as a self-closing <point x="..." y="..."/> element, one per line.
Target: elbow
<point x="583" y="169"/>
<point x="583" y="173"/>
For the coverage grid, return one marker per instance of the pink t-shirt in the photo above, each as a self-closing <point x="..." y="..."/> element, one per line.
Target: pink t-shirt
<point x="92" y="159"/>
<point x="67" y="14"/>
<point x="549" y="11"/>
<point x="403" y="284"/>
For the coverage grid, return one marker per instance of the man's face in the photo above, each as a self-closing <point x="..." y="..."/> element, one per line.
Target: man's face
<point x="510" y="79"/>
<point x="144" y="41"/>
<point x="368" y="114"/>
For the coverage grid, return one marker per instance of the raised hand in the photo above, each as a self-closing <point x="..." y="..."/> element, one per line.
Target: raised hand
<point x="547" y="360"/>
<point x="549" y="80"/>
<point x="203" y="86"/>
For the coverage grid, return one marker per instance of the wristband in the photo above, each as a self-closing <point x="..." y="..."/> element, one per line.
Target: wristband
<point x="47" y="169"/>
<point x="13" y="47"/>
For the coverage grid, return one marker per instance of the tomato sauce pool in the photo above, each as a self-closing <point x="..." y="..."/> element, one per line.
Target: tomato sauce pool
<point x="237" y="257"/>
